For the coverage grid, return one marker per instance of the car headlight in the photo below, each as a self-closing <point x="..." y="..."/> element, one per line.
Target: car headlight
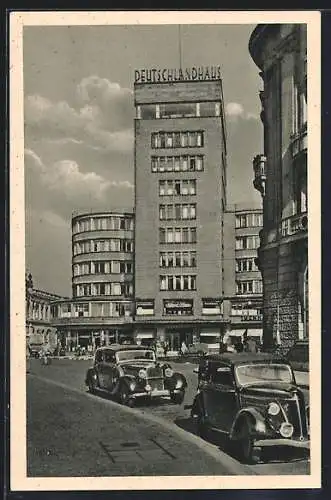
<point x="179" y="383"/>
<point x="168" y="372"/>
<point x="273" y="409"/>
<point x="286" y="430"/>
<point x="142" y="374"/>
<point x="132" y="386"/>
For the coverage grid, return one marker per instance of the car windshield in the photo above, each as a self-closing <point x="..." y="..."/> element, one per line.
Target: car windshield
<point x="135" y="354"/>
<point x="260" y="373"/>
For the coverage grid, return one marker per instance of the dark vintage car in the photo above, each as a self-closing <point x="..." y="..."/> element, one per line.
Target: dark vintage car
<point x="132" y="372"/>
<point x="298" y="355"/>
<point x="253" y="400"/>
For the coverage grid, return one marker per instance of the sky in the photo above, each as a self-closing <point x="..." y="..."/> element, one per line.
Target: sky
<point x="78" y="118"/>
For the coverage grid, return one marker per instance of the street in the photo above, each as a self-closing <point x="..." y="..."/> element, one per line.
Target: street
<point x="73" y="433"/>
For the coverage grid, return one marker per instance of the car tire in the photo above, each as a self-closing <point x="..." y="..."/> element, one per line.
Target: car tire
<point x="92" y="386"/>
<point x="177" y="397"/>
<point x="245" y="445"/>
<point x="124" y="396"/>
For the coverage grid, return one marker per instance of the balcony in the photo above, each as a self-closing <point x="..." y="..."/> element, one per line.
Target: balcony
<point x="299" y="142"/>
<point x="296" y="224"/>
<point x="259" y="173"/>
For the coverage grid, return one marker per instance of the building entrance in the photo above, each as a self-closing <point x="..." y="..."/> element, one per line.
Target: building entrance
<point x="176" y="336"/>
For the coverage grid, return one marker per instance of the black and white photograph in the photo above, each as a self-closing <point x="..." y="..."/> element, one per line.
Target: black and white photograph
<point x="165" y="296"/>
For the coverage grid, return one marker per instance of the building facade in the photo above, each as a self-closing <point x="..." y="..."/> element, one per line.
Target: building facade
<point x="280" y="52"/>
<point x="39" y="328"/>
<point x="245" y="223"/>
<point x="180" y="200"/>
<point x="101" y="308"/>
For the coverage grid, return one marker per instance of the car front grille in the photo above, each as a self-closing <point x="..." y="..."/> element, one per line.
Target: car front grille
<point x="156" y="384"/>
<point x="154" y="372"/>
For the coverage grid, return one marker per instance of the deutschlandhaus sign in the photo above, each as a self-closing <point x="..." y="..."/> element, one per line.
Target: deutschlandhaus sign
<point x="177" y="75"/>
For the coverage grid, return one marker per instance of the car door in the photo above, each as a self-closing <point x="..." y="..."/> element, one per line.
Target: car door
<point x="221" y="396"/>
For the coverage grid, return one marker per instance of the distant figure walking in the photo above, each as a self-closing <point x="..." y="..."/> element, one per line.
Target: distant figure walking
<point x="183" y="349"/>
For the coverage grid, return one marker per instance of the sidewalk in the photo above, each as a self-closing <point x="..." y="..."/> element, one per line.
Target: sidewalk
<point x="72" y="433"/>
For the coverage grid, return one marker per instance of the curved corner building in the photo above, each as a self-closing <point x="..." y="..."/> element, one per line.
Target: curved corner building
<point x="280" y="52"/>
<point x="101" y="309"/>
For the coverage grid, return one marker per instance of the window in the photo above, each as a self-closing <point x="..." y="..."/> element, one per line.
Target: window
<point x="246" y="265"/>
<point x="162" y="190"/>
<point x="247" y="242"/>
<point x="183" y="163"/>
<point x="251" y="286"/>
<point x="177" y="235"/>
<point x="177" y="139"/>
<point x="208" y="109"/>
<point x="162" y="212"/>
<point x="81" y="309"/>
<point x="178" y="259"/>
<point x="148" y="111"/>
<point x="162" y="235"/>
<point x="177" y="282"/>
<point x="99" y="267"/>
<point x="221" y="374"/>
<point x="116" y="289"/>
<point x="178" y="110"/>
<point x="249" y="220"/>
<point x="125" y="267"/>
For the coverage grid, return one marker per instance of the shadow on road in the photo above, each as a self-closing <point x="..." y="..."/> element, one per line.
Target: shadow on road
<point x="270" y="454"/>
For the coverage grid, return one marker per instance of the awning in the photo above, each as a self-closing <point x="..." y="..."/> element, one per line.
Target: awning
<point x="210" y="334"/>
<point x="251" y="332"/>
<point x="145" y="335"/>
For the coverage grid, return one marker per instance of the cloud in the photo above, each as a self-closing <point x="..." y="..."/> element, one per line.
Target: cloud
<point x="102" y="118"/>
<point x="235" y="111"/>
<point x="62" y="187"/>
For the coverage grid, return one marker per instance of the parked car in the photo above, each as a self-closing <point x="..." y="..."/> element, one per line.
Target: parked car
<point x="35" y="350"/>
<point x="132" y="372"/>
<point x="253" y="400"/>
<point x="298" y="355"/>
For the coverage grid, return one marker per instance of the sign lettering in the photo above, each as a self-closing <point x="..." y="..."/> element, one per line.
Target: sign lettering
<point x="154" y="75"/>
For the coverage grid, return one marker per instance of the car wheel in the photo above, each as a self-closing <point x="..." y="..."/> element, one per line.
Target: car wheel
<point x="124" y="396"/>
<point x="177" y="397"/>
<point x="92" y="386"/>
<point x="245" y="445"/>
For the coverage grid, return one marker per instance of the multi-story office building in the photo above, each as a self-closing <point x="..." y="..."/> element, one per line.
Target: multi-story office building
<point x="280" y="52"/>
<point x="244" y="223"/>
<point x="102" y="281"/>
<point x="180" y="199"/>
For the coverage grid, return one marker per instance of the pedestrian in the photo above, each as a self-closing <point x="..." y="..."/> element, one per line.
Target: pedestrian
<point x="244" y="340"/>
<point x="251" y="345"/>
<point x="183" y="349"/>
<point x="165" y="348"/>
<point x="239" y="346"/>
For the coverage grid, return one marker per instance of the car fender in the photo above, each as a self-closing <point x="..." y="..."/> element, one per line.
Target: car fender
<point x="255" y="420"/>
<point x="91" y="373"/>
<point x="126" y="379"/>
<point x="180" y="377"/>
<point x="177" y="381"/>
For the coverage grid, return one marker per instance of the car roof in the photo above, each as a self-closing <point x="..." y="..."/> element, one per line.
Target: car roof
<point x="232" y="358"/>
<point x="119" y="347"/>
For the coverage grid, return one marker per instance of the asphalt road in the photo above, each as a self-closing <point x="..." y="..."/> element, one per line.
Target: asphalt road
<point x="71" y="432"/>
